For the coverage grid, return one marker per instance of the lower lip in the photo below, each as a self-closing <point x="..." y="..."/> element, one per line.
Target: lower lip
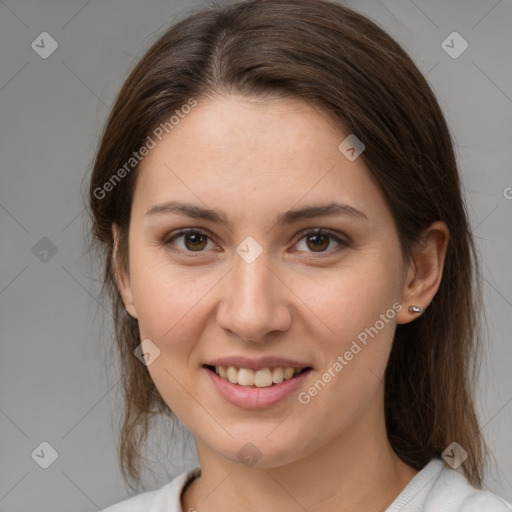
<point x="249" y="397"/>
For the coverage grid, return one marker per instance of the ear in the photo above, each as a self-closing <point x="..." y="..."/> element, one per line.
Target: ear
<point x="424" y="275"/>
<point x="122" y="280"/>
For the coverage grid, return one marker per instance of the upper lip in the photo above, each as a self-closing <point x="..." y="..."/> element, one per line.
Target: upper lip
<point x="257" y="364"/>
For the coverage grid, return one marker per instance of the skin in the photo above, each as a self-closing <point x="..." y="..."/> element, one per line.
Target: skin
<point x="253" y="160"/>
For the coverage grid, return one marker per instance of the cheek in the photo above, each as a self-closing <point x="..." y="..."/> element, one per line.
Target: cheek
<point x="170" y="303"/>
<point x="353" y="318"/>
<point x="168" y="297"/>
<point x="352" y="298"/>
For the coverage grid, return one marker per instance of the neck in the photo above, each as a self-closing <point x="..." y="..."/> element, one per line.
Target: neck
<point x="355" y="470"/>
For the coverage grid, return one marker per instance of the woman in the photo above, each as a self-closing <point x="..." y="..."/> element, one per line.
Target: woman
<point x="291" y="267"/>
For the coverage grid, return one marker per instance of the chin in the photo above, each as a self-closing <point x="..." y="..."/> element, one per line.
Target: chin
<point x="261" y="451"/>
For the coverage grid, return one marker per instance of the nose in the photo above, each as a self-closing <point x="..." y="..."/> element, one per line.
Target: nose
<point x="255" y="301"/>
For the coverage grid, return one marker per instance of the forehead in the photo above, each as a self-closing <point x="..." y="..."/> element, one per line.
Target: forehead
<point x="257" y="155"/>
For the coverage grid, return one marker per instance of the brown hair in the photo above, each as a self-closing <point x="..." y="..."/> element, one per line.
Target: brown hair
<point x="341" y="62"/>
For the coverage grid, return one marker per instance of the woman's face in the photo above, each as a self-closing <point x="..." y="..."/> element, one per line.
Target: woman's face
<point x="256" y="283"/>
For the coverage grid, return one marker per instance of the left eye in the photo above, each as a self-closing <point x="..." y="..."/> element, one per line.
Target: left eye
<point x="320" y="239"/>
<point x="195" y="240"/>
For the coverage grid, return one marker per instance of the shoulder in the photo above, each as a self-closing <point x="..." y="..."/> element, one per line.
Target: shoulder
<point x="480" y="499"/>
<point x="437" y="488"/>
<point x="165" y="499"/>
<point x="453" y="491"/>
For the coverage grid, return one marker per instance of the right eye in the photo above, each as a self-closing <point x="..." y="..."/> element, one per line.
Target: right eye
<point x="194" y="240"/>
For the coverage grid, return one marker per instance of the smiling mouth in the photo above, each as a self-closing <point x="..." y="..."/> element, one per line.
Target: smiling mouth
<point x="265" y="377"/>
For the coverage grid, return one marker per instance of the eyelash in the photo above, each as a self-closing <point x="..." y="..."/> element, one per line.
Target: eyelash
<point x="303" y="234"/>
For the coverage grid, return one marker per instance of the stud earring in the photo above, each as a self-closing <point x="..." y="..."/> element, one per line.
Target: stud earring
<point x="415" y="309"/>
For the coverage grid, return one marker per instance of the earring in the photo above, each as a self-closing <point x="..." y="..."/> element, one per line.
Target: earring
<point x="415" y="309"/>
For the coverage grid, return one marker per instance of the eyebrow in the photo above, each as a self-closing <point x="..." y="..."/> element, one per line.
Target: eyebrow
<point x="289" y="217"/>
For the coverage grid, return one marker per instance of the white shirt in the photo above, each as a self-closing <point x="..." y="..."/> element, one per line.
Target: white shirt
<point x="434" y="489"/>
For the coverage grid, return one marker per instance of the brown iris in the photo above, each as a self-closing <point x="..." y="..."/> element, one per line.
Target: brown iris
<point x="318" y="244"/>
<point x="196" y="242"/>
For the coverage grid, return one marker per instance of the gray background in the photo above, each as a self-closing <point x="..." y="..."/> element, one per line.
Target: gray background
<point x="54" y="331"/>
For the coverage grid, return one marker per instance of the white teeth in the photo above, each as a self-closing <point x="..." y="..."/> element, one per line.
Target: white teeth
<point x="246" y="377"/>
<point x="288" y="373"/>
<point x="277" y="375"/>
<point x="260" y="378"/>
<point x="232" y="375"/>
